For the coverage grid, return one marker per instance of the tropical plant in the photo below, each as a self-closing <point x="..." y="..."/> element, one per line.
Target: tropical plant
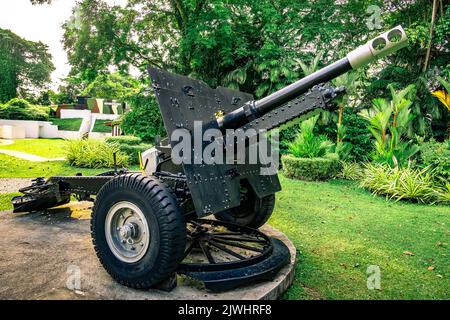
<point x="350" y="170"/>
<point x="388" y="122"/>
<point x="92" y="153"/>
<point x="307" y="144"/>
<point x="444" y="96"/>
<point x="436" y="155"/>
<point x="399" y="183"/>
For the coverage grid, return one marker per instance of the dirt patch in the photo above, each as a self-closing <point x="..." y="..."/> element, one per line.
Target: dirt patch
<point x="10" y="185"/>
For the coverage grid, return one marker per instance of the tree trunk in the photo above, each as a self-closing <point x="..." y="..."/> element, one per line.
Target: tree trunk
<point x="433" y="19"/>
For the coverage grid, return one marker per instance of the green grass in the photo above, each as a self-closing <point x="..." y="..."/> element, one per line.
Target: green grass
<point x="67" y="124"/>
<point x="339" y="230"/>
<point x="99" y="126"/>
<point x="11" y="167"/>
<point x="49" y="148"/>
<point x="5" y="200"/>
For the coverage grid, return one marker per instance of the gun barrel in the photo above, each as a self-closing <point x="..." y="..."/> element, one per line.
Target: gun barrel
<point x="381" y="46"/>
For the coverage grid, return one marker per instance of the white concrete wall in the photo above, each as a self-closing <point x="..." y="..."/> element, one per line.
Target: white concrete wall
<point x="68" y="134"/>
<point x="12" y="132"/>
<point x="31" y="127"/>
<point x="99" y="135"/>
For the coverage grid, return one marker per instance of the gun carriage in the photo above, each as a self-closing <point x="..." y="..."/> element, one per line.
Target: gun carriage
<point x="146" y="226"/>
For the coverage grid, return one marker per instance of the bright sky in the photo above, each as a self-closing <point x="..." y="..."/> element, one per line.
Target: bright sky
<point x="42" y="23"/>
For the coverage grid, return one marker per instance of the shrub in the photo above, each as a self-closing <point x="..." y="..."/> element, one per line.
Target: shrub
<point x="20" y="109"/>
<point x="127" y="140"/>
<point x="350" y="171"/>
<point x="399" y="183"/>
<point x="133" y="151"/>
<point x="129" y="145"/>
<point x="144" y="120"/>
<point x="90" y="153"/>
<point x="443" y="194"/>
<point x="436" y="155"/>
<point x="311" y="168"/>
<point x="307" y="144"/>
<point x="17" y="102"/>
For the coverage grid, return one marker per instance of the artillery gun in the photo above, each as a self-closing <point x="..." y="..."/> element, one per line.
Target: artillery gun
<point x="147" y="226"/>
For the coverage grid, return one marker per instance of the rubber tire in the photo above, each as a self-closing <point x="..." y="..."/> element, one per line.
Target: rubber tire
<point x="165" y="221"/>
<point x="253" y="213"/>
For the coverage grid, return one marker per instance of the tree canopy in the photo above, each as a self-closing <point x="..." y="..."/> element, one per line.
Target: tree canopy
<point x="25" y="66"/>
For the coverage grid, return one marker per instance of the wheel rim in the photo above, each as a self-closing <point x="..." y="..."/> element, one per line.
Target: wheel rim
<point x="127" y="232"/>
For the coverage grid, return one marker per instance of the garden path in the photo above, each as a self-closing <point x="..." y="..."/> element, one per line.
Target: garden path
<point x="28" y="156"/>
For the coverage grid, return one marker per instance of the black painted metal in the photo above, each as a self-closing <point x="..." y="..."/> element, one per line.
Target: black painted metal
<point x="256" y="109"/>
<point x="44" y="194"/>
<point x="219" y="276"/>
<point x="183" y="101"/>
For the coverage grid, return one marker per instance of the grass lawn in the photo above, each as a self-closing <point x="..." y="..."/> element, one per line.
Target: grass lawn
<point x="11" y="167"/>
<point x="5" y="200"/>
<point x="339" y="230"/>
<point x="67" y="124"/>
<point x="99" y="126"/>
<point x="49" y="148"/>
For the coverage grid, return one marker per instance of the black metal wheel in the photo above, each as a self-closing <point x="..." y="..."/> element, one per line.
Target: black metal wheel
<point x="216" y="246"/>
<point x="253" y="212"/>
<point x="138" y="231"/>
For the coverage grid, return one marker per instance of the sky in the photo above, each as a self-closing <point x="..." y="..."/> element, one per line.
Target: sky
<point x="42" y="23"/>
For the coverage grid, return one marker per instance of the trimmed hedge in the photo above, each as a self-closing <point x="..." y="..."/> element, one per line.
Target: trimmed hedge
<point x="311" y="168"/>
<point x="133" y="151"/>
<point x="129" y="145"/>
<point x="127" y="140"/>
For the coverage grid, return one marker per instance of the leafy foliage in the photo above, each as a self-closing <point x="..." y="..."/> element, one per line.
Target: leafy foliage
<point x="399" y="183"/>
<point x="388" y="121"/>
<point x="25" y="66"/>
<point x="311" y="168"/>
<point x="132" y="146"/>
<point x="112" y="86"/>
<point x="20" y="109"/>
<point x="91" y="153"/>
<point x="126" y="140"/>
<point x="307" y="144"/>
<point x="144" y="120"/>
<point x="350" y="171"/>
<point x="436" y="155"/>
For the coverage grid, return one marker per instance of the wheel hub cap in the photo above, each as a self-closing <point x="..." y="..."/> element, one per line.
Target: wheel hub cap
<point x="127" y="232"/>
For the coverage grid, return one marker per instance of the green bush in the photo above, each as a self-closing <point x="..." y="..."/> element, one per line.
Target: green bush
<point x="400" y="183"/>
<point x="350" y="171"/>
<point x="436" y="155"/>
<point x="129" y="145"/>
<point x="90" y="153"/>
<point x="307" y="144"/>
<point x="20" y="109"/>
<point x="127" y="140"/>
<point x="144" y="120"/>
<point x="133" y="151"/>
<point x="311" y="168"/>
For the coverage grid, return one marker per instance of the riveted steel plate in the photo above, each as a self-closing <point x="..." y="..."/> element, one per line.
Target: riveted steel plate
<point x="182" y="101"/>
